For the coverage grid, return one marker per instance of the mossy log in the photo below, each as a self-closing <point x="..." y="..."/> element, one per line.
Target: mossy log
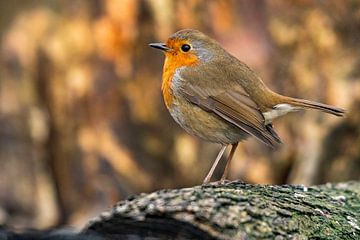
<point x="235" y="210"/>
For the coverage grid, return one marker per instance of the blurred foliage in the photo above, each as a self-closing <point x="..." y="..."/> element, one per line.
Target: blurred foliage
<point x="82" y="119"/>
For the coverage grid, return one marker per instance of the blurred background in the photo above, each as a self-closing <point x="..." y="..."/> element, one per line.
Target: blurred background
<point x="83" y="124"/>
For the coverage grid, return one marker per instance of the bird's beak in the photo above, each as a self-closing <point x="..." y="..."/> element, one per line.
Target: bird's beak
<point x="161" y="46"/>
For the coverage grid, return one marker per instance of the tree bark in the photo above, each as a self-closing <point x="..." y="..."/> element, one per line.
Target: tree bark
<point x="235" y="210"/>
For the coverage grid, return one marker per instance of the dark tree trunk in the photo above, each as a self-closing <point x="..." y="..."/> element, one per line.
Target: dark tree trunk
<point x="236" y="210"/>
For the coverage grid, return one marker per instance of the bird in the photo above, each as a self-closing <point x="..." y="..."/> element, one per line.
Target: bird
<point x="215" y="96"/>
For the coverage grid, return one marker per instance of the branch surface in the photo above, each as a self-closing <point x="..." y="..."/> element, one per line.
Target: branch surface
<point x="235" y="210"/>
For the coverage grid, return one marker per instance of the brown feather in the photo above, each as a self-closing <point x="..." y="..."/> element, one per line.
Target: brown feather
<point x="316" y="105"/>
<point x="235" y="107"/>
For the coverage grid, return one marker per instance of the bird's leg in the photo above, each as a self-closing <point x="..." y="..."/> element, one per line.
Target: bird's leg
<point x="208" y="176"/>
<point x="226" y="170"/>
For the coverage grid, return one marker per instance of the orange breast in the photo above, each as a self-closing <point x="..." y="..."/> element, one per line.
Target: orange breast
<point x="173" y="61"/>
<point x="168" y="74"/>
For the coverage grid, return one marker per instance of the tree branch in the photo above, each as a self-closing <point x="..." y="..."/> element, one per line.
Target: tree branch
<point x="236" y="210"/>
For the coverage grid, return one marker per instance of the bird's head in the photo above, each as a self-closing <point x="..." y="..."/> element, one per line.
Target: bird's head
<point x="188" y="47"/>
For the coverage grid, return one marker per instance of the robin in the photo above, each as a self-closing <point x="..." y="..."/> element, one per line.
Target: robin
<point x="218" y="98"/>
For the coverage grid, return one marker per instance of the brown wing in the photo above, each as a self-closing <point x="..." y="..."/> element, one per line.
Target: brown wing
<point x="235" y="106"/>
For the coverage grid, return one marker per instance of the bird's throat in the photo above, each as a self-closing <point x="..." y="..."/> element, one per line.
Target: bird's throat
<point x="168" y="74"/>
<point x="173" y="62"/>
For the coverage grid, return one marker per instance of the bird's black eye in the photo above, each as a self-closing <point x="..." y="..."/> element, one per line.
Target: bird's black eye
<point x="185" y="47"/>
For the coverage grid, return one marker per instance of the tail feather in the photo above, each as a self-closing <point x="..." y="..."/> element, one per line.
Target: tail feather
<point x="302" y="103"/>
<point x="270" y="128"/>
